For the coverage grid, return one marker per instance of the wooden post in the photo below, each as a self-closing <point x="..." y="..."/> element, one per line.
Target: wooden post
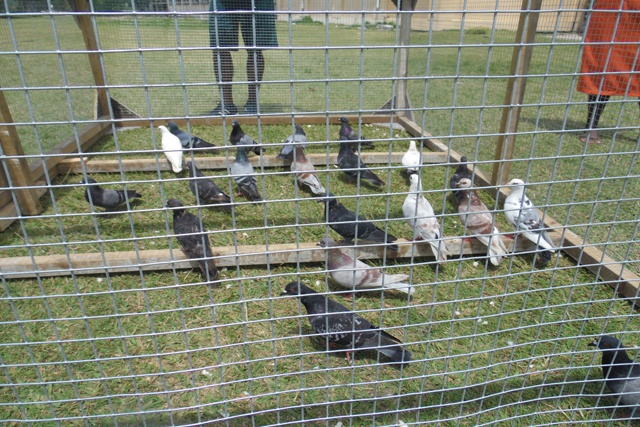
<point x="514" y="95"/>
<point x="17" y="167"/>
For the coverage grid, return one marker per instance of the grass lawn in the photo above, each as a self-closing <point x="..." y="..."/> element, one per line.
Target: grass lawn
<point x="490" y="345"/>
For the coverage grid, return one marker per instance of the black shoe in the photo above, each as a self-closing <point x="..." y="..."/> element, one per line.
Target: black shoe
<point x="228" y="110"/>
<point x="251" y="108"/>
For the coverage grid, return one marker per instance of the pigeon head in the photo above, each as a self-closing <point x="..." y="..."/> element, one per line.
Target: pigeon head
<point x="464" y="183"/>
<point x="299" y="130"/>
<point x="327" y="242"/>
<point x="463" y="159"/>
<point x="607" y="342"/>
<point x="297" y="289"/>
<point x="414" y="178"/>
<point x="613" y="352"/>
<point x="174" y="203"/>
<point x="344" y="120"/>
<point x="163" y="129"/>
<point x="89" y="180"/>
<point x="328" y="198"/>
<point x="234" y="122"/>
<point x="172" y="126"/>
<point x="516" y="183"/>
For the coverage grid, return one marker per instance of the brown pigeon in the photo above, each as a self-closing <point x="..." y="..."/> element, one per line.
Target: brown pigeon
<point x="305" y="172"/>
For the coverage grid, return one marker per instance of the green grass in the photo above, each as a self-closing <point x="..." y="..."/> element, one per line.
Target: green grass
<point x="491" y="345"/>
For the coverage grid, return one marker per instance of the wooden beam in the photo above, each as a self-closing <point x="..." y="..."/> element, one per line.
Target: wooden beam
<point x="227" y="256"/>
<point x="98" y="165"/>
<point x="605" y="268"/>
<point x="9" y="213"/>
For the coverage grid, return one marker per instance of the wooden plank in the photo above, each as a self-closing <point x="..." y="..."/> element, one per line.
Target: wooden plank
<point x="98" y="165"/>
<point x="227" y="256"/>
<point x="605" y="268"/>
<point x="9" y="213"/>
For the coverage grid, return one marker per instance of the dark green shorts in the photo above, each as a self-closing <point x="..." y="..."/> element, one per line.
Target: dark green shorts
<point x="225" y="20"/>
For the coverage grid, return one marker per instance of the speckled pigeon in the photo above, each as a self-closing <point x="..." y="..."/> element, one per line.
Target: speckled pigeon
<point x="204" y="188"/>
<point x="238" y="137"/>
<point x="298" y="138"/>
<point x="107" y="199"/>
<point x="188" y="140"/>
<point x="244" y="176"/>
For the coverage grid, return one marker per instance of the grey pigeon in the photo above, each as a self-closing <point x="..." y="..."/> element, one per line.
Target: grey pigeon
<point x="356" y="275"/>
<point x="193" y="239"/>
<point x="352" y="166"/>
<point x="349" y="225"/>
<point x="348" y="134"/>
<point x="462" y="171"/>
<point x="204" y="188"/>
<point x="244" y="176"/>
<point x="523" y="215"/>
<point x="188" y="140"/>
<point x="621" y="374"/>
<point x="341" y="327"/>
<point x="479" y="222"/>
<point x="305" y="172"/>
<point x="298" y="138"/>
<point x="238" y="137"/>
<point x="107" y="199"/>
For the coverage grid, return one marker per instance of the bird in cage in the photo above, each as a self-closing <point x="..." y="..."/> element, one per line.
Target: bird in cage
<point x="354" y="167"/>
<point x="194" y="239"/>
<point x="348" y="134"/>
<point x="356" y="275"/>
<point x="422" y="219"/>
<point x="298" y="138"/>
<point x="523" y="215"/>
<point x="475" y="216"/>
<point x="339" y="326"/>
<point x="244" y="176"/>
<point x="620" y="373"/>
<point x="351" y="226"/>
<point x="462" y="171"/>
<point x="305" y="172"/>
<point x="187" y="140"/>
<point x="238" y="137"/>
<point x="204" y="188"/>
<point x="412" y="159"/>
<point x="107" y="199"/>
<point x="172" y="148"/>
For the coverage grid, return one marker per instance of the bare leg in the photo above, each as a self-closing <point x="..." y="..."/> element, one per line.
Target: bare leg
<point x="223" y="66"/>
<point x="255" y="71"/>
<point x="595" y="107"/>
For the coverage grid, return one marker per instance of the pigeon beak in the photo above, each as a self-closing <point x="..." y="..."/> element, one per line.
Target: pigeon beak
<point x="593" y="343"/>
<point x="285" y="293"/>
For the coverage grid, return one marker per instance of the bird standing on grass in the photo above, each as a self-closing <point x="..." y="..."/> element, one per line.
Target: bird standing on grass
<point x="244" y="176"/>
<point x="462" y="171"/>
<point x="479" y="221"/>
<point x="523" y="215"/>
<point x="412" y="159"/>
<point x="238" y="137"/>
<point x="187" y="140"/>
<point x="353" y="166"/>
<point x="193" y="239"/>
<point x="420" y="216"/>
<point x="621" y="374"/>
<point x="107" y="199"/>
<point x="305" y="172"/>
<point x="349" y="225"/>
<point x="348" y="134"/>
<point x="356" y="275"/>
<point x="172" y="148"/>
<point x="298" y="138"/>
<point x="204" y="188"/>
<point x="341" y="327"/>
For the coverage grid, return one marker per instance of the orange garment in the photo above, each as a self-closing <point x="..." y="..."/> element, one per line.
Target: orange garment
<point x="612" y="66"/>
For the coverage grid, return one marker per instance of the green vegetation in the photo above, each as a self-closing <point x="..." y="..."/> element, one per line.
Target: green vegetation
<point x="491" y="345"/>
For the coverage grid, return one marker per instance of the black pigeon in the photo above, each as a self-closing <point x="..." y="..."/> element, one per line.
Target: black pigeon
<point x="344" y="222"/>
<point x="461" y="172"/>
<point x="239" y="137"/>
<point x="345" y="328"/>
<point x="352" y="166"/>
<point x="298" y="138"/>
<point x="244" y="176"/>
<point x="187" y="140"/>
<point x="620" y="373"/>
<point x="204" y="188"/>
<point x="348" y="134"/>
<point x="107" y="199"/>
<point x="193" y="239"/>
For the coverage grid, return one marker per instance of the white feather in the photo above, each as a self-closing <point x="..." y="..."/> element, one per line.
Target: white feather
<point x="412" y="158"/>
<point x="172" y="149"/>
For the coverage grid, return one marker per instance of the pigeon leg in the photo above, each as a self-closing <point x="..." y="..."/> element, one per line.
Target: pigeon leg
<point x="349" y="357"/>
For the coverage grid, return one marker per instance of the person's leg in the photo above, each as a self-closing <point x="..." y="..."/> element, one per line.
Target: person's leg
<point x="255" y="71"/>
<point x="223" y="66"/>
<point x="595" y="107"/>
<point x="223" y="38"/>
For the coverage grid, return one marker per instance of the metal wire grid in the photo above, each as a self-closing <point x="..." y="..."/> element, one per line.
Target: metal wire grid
<point x="224" y="353"/>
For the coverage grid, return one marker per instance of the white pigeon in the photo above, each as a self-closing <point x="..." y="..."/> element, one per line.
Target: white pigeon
<point x="412" y="158"/>
<point x="354" y="274"/>
<point x="172" y="148"/>
<point x="521" y="212"/>
<point x="479" y="222"/>
<point x="420" y="216"/>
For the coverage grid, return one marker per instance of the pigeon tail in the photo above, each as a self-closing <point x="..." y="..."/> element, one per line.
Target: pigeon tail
<point x="399" y="286"/>
<point x="388" y="347"/>
<point x="439" y="250"/>
<point x="372" y="178"/>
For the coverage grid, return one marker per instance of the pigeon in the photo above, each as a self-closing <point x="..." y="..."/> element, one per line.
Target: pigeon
<point x="204" y="188"/>
<point x="412" y="159"/>
<point x="344" y="328"/>
<point x="420" y="216"/>
<point x="243" y="175"/>
<point x="172" y="148"/>
<point x="107" y="199"/>
<point x="187" y="140"/>
<point x="193" y="239"/>
<point x="297" y="138"/>
<point x="352" y="166"/>
<point x="348" y="134"/>
<point x="622" y="376"/>
<point x="238" y="137"/>
<point x="520" y="212"/>
<point x="354" y="274"/>
<point x="306" y="173"/>
<point x="462" y="171"/>
<point x="347" y="224"/>
<point x="479" y="221"/>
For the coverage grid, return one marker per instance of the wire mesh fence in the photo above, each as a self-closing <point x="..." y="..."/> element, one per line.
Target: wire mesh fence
<point x="107" y="319"/>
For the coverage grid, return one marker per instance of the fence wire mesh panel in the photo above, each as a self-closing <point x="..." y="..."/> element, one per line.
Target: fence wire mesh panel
<point x="151" y="278"/>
